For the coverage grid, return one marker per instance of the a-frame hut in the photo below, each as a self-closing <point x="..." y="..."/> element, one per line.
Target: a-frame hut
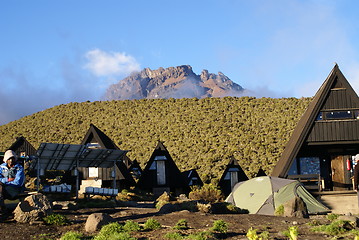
<point x="231" y="175"/>
<point x="192" y="178"/>
<point x="95" y="138"/>
<point x="261" y="173"/>
<point x="326" y="137"/>
<point x="161" y="174"/>
<point x="135" y="169"/>
<point x="22" y="148"/>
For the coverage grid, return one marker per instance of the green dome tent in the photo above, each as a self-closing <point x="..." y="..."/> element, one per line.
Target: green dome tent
<point x="262" y="195"/>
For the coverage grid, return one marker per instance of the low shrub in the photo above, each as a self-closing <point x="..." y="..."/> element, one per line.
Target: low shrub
<point x="204" y="207"/>
<point x="55" y="219"/>
<point x="131" y="226"/>
<point x="336" y="227"/>
<point x="109" y="231"/>
<point x="151" y="224"/>
<point x="72" y="236"/>
<point x="292" y="233"/>
<point x="279" y="211"/>
<point x="200" y="236"/>
<point x="182" y="224"/>
<point x="208" y="193"/>
<point x="174" y="235"/>
<point x="332" y="216"/>
<point x="219" y="226"/>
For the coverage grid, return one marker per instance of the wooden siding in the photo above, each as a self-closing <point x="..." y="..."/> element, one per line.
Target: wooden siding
<point x="340" y="130"/>
<point x="340" y="99"/>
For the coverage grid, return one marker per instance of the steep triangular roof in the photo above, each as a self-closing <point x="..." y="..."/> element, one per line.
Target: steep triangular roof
<point x="22" y="145"/>
<point x="261" y="173"/>
<point x="95" y="134"/>
<point x="189" y="175"/>
<point x="321" y="101"/>
<point x="173" y="174"/>
<point x="233" y="163"/>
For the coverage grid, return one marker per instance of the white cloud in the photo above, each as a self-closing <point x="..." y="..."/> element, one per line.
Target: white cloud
<point x="105" y="64"/>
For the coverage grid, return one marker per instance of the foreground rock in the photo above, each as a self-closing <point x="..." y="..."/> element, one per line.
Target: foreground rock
<point x="295" y="208"/>
<point x="33" y="208"/>
<point x="96" y="220"/>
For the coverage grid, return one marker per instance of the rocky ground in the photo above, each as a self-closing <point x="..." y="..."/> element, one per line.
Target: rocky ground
<point x="238" y="224"/>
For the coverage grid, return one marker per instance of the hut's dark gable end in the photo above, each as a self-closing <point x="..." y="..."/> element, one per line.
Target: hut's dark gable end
<point x="162" y="174"/>
<point x="326" y="137"/>
<point x="231" y="175"/>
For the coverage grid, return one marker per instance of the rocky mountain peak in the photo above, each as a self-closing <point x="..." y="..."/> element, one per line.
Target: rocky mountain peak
<point x="172" y="82"/>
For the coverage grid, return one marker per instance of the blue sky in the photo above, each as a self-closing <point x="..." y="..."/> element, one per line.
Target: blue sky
<point x="56" y="52"/>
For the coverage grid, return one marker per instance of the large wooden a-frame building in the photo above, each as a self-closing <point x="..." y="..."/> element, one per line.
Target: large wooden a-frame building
<point x="326" y="137"/>
<point x="97" y="139"/>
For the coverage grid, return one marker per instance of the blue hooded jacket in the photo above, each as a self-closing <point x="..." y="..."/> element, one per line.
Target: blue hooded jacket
<point x="16" y="172"/>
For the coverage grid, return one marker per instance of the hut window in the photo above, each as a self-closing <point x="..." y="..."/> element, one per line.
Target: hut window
<point x="339" y="115"/>
<point x="194" y="181"/>
<point x="93" y="172"/>
<point x="160" y="158"/>
<point x="153" y="166"/>
<point x="320" y="116"/>
<point x="309" y="165"/>
<point x="294" y="168"/>
<point x="227" y="177"/>
<point x="233" y="170"/>
<point x="93" y="145"/>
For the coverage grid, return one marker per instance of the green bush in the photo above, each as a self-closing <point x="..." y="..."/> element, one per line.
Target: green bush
<point x="174" y="235"/>
<point x="115" y="236"/>
<point x="220" y="226"/>
<point x="332" y="216"/>
<point x="200" y="236"/>
<point x="72" y="236"/>
<point x="182" y="224"/>
<point x="336" y="227"/>
<point x="279" y="211"/>
<point x="55" y="219"/>
<point x="109" y="231"/>
<point x="292" y="233"/>
<point x="131" y="226"/>
<point x="151" y="224"/>
<point x="208" y="193"/>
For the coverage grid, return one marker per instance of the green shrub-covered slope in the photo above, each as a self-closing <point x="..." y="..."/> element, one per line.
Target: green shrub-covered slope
<point x="199" y="133"/>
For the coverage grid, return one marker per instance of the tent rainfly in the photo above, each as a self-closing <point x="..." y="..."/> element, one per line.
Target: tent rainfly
<point x="262" y="195"/>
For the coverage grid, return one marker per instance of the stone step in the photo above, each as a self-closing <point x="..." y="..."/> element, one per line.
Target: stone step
<point x="341" y="203"/>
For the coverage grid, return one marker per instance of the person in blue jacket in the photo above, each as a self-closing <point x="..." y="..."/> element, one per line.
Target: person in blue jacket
<point x="12" y="177"/>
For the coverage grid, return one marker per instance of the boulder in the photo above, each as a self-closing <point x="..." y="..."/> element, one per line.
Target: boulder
<point x="168" y="208"/>
<point x="295" y="207"/>
<point x="352" y="219"/>
<point x="33" y="208"/>
<point x="95" y="221"/>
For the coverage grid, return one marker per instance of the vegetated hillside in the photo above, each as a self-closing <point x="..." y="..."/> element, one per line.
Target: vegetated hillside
<point x="199" y="133"/>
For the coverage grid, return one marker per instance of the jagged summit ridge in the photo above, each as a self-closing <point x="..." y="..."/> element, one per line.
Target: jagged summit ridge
<point x="172" y="82"/>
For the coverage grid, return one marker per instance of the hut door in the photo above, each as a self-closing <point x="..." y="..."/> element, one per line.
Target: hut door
<point x="234" y="179"/>
<point x="161" y="173"/>
<point x="337" y="165"/>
